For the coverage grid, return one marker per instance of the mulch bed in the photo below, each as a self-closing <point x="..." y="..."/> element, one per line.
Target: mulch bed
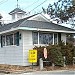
<point x="18" y="69"/>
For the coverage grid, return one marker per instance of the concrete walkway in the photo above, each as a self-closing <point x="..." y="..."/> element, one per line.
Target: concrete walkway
<point x="61" y="72"/>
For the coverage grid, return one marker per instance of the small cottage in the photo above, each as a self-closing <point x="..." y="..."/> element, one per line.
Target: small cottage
<point x="18" y="37"/>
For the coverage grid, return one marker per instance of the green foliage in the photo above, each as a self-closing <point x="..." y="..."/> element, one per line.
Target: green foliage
<point x="59" y="9"/>
<point x="55" y="55"/>
<point x="40" y="53"/>
<point x="63" y="10"/>
<point x="68" y="52"/>
<point x="57" y="52"/>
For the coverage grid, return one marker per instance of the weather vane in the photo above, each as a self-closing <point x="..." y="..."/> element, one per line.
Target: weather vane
<point x="17" y="3"/>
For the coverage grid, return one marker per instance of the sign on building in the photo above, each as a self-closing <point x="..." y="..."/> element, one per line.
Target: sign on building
<point x="32" y="56"/>
<point x="45" y="53"/>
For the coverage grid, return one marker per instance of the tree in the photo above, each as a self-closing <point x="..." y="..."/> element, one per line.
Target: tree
<point x="64" y="10"/>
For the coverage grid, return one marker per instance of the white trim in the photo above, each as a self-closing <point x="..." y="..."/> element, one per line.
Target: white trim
<point x="45" y="18"/>
<point x="18" y="28"/>
<point x="54" y="38"/>
<point x="62" y="31"/>
<point x="13" y="39"/>
<point x="49" y="30"/>
<point x="27" y="28"/>
<point x="41" y="15"/>
<point x="35" y="29"/>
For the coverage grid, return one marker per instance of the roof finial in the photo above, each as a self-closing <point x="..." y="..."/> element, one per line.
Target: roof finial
<point x="17" y="4"/>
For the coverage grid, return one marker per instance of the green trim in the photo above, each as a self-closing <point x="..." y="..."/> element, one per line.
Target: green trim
<point x="1" y="41"/>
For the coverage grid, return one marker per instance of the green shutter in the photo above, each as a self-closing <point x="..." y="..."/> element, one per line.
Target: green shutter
<point x="1" y="41"/>
<point x="17" y="38"/>
<point x="59" y="38"/>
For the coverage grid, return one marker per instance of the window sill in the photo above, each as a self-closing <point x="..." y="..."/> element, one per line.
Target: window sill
<point x="10" y="46"/>
<point x="40" y="45"/>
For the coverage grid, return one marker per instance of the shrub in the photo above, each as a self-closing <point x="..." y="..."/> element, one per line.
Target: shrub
<point x="55" y="55"/>
<point x="57" y="52"/>
<point x="67" y="51"/>
<point x="39" y="53"/>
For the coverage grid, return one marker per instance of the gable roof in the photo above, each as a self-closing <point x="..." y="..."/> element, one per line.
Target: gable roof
<point x="35" y="24"/>
<point x="40" y="17"/>
<point x="16" y="10"/>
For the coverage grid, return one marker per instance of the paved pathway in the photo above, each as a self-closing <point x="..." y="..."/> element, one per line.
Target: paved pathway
<point x="66" y="72"/>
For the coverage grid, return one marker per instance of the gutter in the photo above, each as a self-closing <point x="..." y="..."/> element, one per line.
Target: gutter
<point x="35" y="29"/>
<point x="48" y="30"/>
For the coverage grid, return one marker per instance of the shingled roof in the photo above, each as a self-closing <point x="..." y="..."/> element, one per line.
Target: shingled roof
<point x="34" y="24"/>
<point x="43" y="25"/>
<point x="16" y="10"/>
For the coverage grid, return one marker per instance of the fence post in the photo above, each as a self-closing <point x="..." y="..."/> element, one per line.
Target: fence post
<point x="41" y="63"/>
<point x="53" y="64"/>
<point x="73" y="61"/>
<point x="64" y="61"/>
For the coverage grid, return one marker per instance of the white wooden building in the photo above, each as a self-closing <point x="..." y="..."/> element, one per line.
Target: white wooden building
<point x="19" y="37"/>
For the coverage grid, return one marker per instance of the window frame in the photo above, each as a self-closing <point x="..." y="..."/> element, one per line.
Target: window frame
<point x="35" y="38"/>
<point x="2" y="40"/>
<point x="10" y="39"/>
<point x="53" y="38"/>
<point x="47" y="37"/>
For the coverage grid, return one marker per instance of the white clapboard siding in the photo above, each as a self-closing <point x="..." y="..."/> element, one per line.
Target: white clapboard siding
<point x="12" y="55"/>
<point x="18" y="55"/>
<point x="27" y="45"/>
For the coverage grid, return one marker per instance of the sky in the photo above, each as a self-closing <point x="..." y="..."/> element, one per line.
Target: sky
<point x="7" y="6"/>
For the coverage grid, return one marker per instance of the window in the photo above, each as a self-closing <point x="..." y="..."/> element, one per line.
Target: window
<point x="16" y="39"/>
<point x="2" y="41"/>
<point x="9" y="39"/>
<point x="70" y="38"/>
<point x="12" y="39"/>
<point x="35" y="37"/>
<point x="46" y="38"/>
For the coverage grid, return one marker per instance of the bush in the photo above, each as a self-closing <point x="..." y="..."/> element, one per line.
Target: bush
<point x="39" y="52"/>
<point x="67" y="51"/>
<point x="57" y="52"/>
<point x="55" y="55"/>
